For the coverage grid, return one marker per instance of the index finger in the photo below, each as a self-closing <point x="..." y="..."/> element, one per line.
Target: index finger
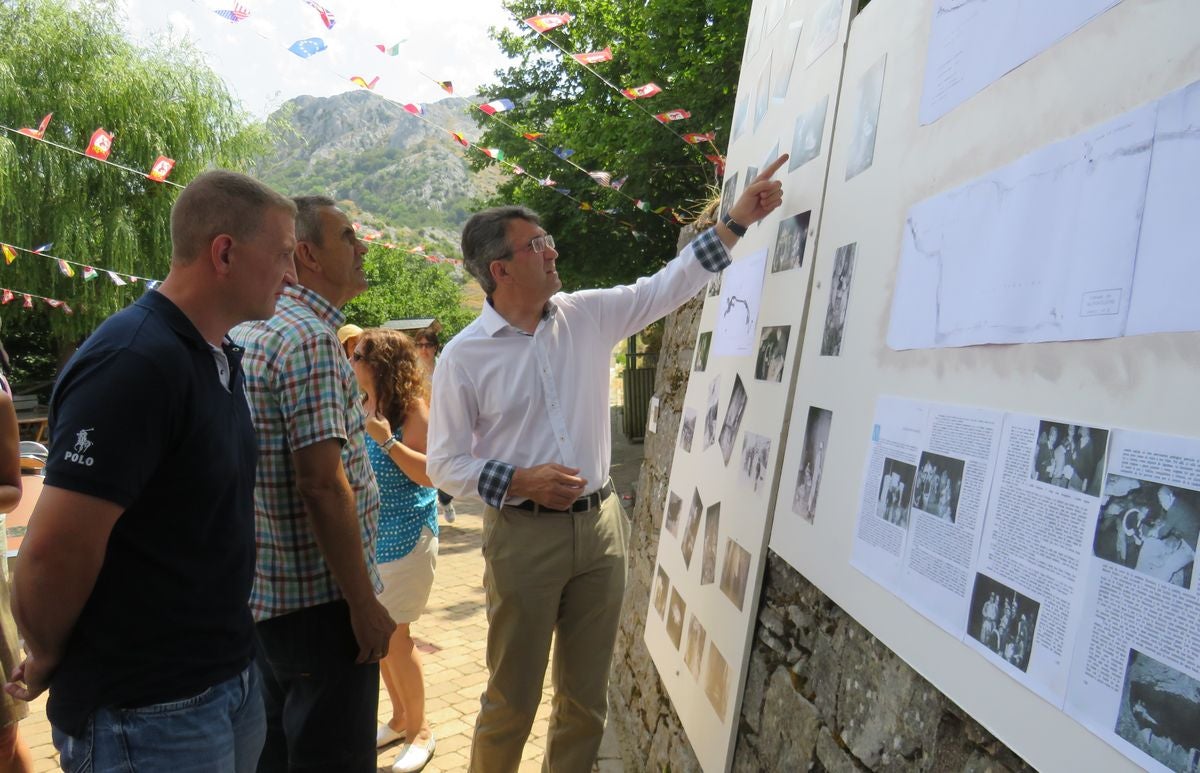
<point x="770" y="171"/>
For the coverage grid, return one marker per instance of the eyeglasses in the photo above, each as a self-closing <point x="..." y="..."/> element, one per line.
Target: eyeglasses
<point x="540" y="244"/>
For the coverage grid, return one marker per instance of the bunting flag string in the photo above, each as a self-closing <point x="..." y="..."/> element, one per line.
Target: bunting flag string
<point x="563" y="154"/>
<point x="634" y="95"/>
<point x="67" y="267"/>
<point x="8" y="295"/>
<point x="104" y="139"/>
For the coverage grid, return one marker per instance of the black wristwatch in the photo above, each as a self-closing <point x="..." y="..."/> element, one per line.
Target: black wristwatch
<point x="736" y="228"/>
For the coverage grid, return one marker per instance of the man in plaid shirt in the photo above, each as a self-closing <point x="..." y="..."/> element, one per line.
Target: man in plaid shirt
<point x="316" y="505"/>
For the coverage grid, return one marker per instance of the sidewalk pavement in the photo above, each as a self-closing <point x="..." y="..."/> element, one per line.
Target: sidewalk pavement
<point x="452" y="635"/>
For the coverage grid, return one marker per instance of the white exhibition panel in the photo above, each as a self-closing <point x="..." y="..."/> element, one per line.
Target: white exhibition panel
<point x="1128" y="56"/>
<point x="799" y="44"/>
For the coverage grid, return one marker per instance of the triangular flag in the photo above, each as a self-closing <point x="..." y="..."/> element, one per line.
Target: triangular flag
<point x="718" y="162"/>
<point x="40" y="131"/>
<point x="548" y="21"/>
<point x="672" y="115"/>
<point x="89" y="273"/>
<point x="118" y="281"/>
<point x="602" y="178"/>
<point x="585" y="206"/>
<point x="640" y="92"/>
<point x="362" y="82"/>
<point x="547" y="182"/>
<point x="9" y="254"/>
<point x="497" y="106"/>
<point x="162" y="167"/>
<point x="418" y="249"/>
<point x="564" y="191"/>
<point x="6" y="296"/>
<point x="594" y="57"/>
<point x="38" y="250"/>
<point x="642" y="205"/>
<point x="532" y="135"/>
<point x="447" y="86"/>
<point x="392" y="50"/>
<point x="518" y="169"/>
<point x="65" y="268"/>
<point x="616" y="184"/>
<point x="414" y="109"/>
<point x="461" y="140"/>
<point x="28" y="303"/>
<point x="152" y="284"/>
<point x="237" y="14"/>
<point x="67" y="308"/>
<point x="326" y="14"/>
<point x="495" y="153"/>
<point x="307" y="47"/>
<point x="697" y="138"/>
<point x="52" y="303"/>
<point x="564" y="153"/>
<point x="100" y="145"/>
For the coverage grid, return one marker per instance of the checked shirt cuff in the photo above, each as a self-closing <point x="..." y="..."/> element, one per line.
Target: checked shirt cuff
<point x="494" y="482"/>
<point x="710" y="251"/>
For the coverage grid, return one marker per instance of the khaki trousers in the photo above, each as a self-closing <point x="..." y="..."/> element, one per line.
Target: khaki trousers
<point x="560" y="574"/>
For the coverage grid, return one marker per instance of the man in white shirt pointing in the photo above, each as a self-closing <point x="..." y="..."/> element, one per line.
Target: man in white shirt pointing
<point x="519" y="419"/>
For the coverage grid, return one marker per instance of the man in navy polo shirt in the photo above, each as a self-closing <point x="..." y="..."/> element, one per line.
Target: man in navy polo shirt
<point x="139" y="559"/>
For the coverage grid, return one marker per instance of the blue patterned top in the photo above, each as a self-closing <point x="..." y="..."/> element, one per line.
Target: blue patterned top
<point x="404" y="507"/>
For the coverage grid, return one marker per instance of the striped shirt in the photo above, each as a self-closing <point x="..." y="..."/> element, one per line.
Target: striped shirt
<point x="302" y="391"/>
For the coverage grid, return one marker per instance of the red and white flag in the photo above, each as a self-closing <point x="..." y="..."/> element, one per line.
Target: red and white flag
<point x="594" y="57"/>
<point x="640" y="92"/>
<point x="548" y="21"/>
<point x="697" y="138"/>
<point x="672" y="115"/>
<point x="162" y="167"/>
<point x="40" y="131"/>
<point x="100" y="145"/>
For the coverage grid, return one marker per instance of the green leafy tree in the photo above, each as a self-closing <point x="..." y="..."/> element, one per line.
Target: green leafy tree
<point x="72" y="60"/>
<point x="690" y="48"/>
<point x="406" y="286"/>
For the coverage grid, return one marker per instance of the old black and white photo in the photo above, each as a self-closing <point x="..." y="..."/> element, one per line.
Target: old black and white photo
<point x="939" y="483"/>
<point x="812" y="463"/>
<point x="1003" y="620"/>
<point x="895" y="492"/>
<point x="790" y="241"/>
<point x="839" y="300"/>
<point x="733" y="418"/>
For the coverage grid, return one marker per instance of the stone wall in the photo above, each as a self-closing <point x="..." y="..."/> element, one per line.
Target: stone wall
<point x="822" y="693"/>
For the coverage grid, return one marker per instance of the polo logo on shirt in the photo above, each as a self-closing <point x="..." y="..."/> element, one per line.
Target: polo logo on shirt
<point x="82" y="444"/>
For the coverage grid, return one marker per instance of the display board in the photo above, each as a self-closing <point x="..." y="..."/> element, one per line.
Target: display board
<point x="993" y="513"/>
<point x="712" y="547"/>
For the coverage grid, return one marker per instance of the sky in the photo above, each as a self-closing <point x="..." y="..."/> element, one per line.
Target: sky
<point x="442" y="40"/>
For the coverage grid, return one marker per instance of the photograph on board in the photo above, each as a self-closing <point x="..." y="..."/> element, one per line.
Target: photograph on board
<point x="1003" y="620"/>
<point x="939" y="483"/>
<point x="716" y="681"/>
<point x="710" y="412"/>
<point x="728" y="195"/>
<point x="675" y="617"/>
<point x="735" y="572"/>
<point x="674" y="506"/>
<point x="806" y="137"/>
<point x="790" y="241"/>
<point x="1070" y="456"/>
<point x="687" y="429"/>
<point x="866" y="121"/>
<point x="1149" y="527"/>
<point x="895" y="492"/>
<point x="1159" y="711"/>
<point x="762" y="95"/>
<point x="694" y="651"/>
<point x="703" y="343"/>
<point x="756" y="450"/>
<point x="772" y="353"/>
<point x="812" y="463"/>
<point x="733" y="419"/>
<point x="661" y="585"/>
<point x="839" y="300"/>
<point x="691" y="530"/>
<point x="712" y="527"/>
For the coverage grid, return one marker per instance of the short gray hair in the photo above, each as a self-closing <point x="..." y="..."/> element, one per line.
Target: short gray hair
<point x="485" y="239"/>
<point x="308" y="217"/>
<point x="219" y="202"/>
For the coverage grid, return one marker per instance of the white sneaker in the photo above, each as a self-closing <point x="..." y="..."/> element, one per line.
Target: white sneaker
<point x="449" y="513"/>
<point x="386" y="735"/>
<point x="414" y="756"/>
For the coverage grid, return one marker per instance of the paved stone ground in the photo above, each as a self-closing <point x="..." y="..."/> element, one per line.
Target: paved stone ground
<point x="452" y="637"/>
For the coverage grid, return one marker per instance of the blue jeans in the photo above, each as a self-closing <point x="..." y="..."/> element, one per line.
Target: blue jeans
<point x="220" y="730"/>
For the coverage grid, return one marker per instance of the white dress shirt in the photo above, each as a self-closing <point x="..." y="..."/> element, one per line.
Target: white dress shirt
<point x="503" y="396"/>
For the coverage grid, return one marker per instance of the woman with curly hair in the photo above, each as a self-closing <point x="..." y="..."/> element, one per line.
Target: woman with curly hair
<point x="391" y="377"/>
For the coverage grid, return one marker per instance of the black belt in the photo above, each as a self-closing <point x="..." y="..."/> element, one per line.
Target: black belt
<point x="583" y="504"/>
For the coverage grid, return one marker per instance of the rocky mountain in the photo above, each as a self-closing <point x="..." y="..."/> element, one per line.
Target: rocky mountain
<point x="394" y="171"/>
